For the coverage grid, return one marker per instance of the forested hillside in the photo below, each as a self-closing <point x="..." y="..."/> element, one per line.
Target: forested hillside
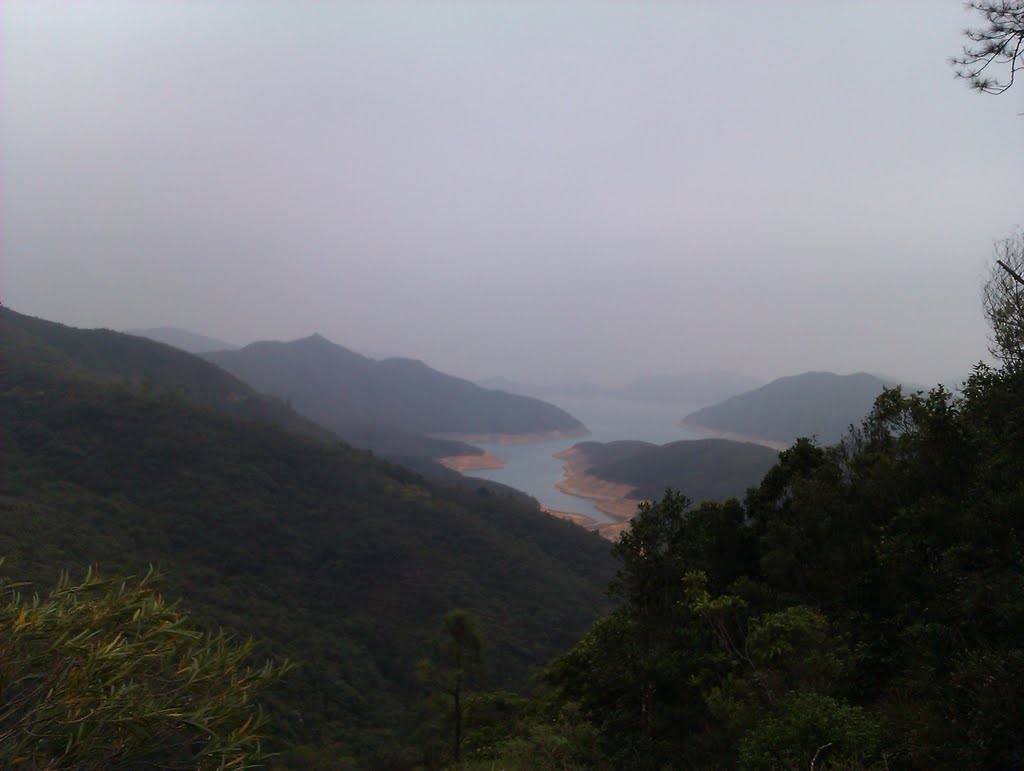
<point x="162" y="367"/>
<point x="862" y="607"/>
<point x="325" y="554"/>
<point x="707" y="469"/>
<point x="151" y="366"/>
<point x="216" y="557"/>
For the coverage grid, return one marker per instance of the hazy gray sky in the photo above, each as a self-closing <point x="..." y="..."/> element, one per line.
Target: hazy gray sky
<point x="540" y="190"/>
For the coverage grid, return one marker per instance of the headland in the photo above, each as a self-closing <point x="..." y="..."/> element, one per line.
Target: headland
<point x="534" y="438"/>
<point x="610" y="497"/>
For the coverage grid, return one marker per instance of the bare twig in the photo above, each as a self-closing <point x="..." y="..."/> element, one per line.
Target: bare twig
<point x="816" y="754"/>
<point x="1011" y="271"/>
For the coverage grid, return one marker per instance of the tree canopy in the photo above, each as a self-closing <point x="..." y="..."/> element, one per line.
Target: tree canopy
<point x="860" y="608"/>
<point x="993" y="53"/>
<point x="1003" y="300"/>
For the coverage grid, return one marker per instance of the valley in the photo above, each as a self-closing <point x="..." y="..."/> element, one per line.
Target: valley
<point x="538" y="469"/>
<point x="511" y="386"/>
<point x="568" y="476"/>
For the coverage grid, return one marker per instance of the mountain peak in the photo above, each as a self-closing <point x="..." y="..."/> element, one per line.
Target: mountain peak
<point x="344" y="390"/>
<point x="817" y="403"/>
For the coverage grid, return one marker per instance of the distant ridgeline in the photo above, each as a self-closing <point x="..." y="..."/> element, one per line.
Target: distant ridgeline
<point x="395" y="406"/>
<point x="183" y="339"/>
<point x="688" y="389"/>
<point x="702" y="469"/>
<point x="815" y="404"/>
<point x="125" y="453"/>
<point x="31" y="342"/>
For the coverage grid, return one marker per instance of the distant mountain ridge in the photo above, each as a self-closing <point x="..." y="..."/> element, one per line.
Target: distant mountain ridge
<point x="812" y="404"/>
<point x="689" y="389"/>
<point x="387" y="405"/>
<point x="183" y="339"/>
<point x="26" y="340"/>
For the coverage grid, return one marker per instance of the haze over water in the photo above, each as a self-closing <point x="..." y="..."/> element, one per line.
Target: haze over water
<point x="533" y="468"/>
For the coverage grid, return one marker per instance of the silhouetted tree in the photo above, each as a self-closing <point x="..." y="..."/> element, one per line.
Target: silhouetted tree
<point x="460" y="659"/>
<point x="999" y="44"/>
<point x="1003" y="300"/>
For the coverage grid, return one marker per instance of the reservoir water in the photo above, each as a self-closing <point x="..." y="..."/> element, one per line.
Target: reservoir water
<point x="533" y="469"/>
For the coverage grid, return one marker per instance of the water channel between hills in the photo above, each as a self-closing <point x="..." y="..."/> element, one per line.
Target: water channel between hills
<point x="533" y="469"/>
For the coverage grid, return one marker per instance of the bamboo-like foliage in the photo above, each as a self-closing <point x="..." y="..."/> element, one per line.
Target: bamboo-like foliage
<point x="104" y="674"/>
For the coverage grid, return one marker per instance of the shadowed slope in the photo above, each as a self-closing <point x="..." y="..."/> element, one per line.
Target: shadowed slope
<point x="327" y="554"/>
<point x="389" y="406"/>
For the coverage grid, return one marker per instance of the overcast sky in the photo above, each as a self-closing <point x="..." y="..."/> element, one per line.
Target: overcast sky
<point x="545" y="190"/>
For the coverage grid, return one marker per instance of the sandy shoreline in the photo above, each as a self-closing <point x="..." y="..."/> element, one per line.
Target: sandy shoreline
<point x="463" y="463"/>
<point x="609" y="530"/>
<point x="543" y="436"/>
<point x="608" y="497"/>
<point x="714" y="433"/>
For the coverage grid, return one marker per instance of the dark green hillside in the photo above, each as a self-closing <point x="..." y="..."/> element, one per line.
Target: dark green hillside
<point x="158" y="366"/>
<point x="818" y="404"/>
<point x="396" y="444"/>
<point x="328" y="555"/>
<point x="704" y="469"/>
<point x="598" y="453"/>
<point x="389" y="406"/>
<point x="860" y="608"/>
<point x="183" y="339"/>
<point x="149" y="365"/>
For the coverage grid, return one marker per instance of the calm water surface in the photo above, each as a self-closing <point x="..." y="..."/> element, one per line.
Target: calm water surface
<point x="532" y="469"/>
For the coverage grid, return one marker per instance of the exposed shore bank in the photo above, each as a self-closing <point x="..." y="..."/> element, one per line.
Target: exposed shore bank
<point x="609" y="530"/>
<point x="715" y="433"/>
<point x="612" y="498"/>
<point x="535" y="438"/>
<point x="463" y="463"/>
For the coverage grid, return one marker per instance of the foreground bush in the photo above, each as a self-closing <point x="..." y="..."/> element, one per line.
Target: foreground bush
<point x="104" y="673"/>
